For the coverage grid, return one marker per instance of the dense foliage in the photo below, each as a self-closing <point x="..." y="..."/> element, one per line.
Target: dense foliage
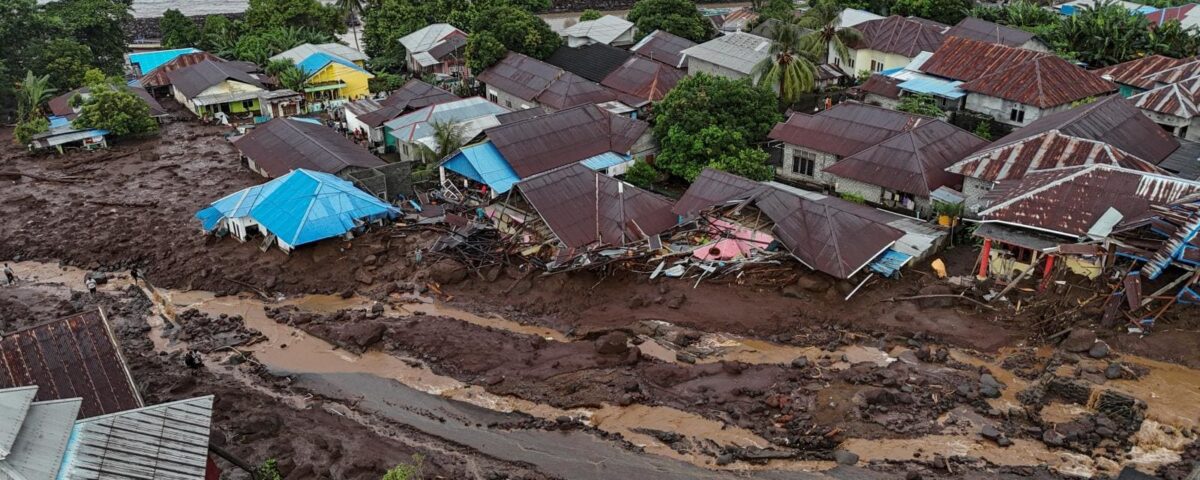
<point x="177" y="30"/>
<point x="948" y="12"/>
<point x="679" y="17"/>
<point x="310" y="14"/>
<point x="590" y="14"/>
<point x="483" y="50"/>
<point x="920" y="104"/>
<point x="518" y="30"/>
<point x="790" y="70"/>
<point x="708" y="121"/>
<point x="642" y="174"/>
<point x="117" y="110"/>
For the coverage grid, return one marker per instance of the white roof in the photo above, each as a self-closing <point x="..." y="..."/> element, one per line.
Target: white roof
<point x="854" y="16"/>
<point x="14" y="405"/>
<point x="299" y="53"/>
<point x="738" y="51"/>
<point x="168" y="441"/>
<point x="604" y="30"/>
<point x="43" y="438"/>
<point x="424" y="39"/>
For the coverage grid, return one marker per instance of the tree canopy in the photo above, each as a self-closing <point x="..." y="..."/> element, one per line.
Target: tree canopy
<point x="178" y="31"/>
<point x="518" y="30"/>
<point x="948" y="12"/>
<point x="790" y="70"/>
<point x="590" y="14"/>
<point x="117" y="110"/>
<point x="920" y="104"/>
<point x="679" y="17"/>
<point x="310" y="14"/>
<point x="483" y="51"/>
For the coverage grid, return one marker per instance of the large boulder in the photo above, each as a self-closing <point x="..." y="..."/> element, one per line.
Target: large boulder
<point x="363" y="335"/>
<point x="447" y="272"/>
<point x="612" y="343"/>
<point x="1079" y="340"/>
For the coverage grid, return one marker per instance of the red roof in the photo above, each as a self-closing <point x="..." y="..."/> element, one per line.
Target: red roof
<point x="1137" y="72"/>
<point x="914" y="161"/>
<point x="1164" y="15"/>
<point x="985" y="31"/>
<point x="902" y="36"/>
<point x="1045" y="151"/>
<point x="1177" y="99"/>
<point x="964" y="59"/>
<point x="845" y="129"/>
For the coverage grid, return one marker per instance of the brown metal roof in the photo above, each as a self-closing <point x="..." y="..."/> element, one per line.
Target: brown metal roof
<point x="881" y="85"/>
<point x="1111" y="120"/>
<point x="1137" y="72"/>
<point x="1069" y="201"/>
<point x="593" y="61"/>
<point x="985" y="31"/>
<point x="569" y="90"/>
<point x="903" y="36"/>
<point x="1177" y="99"/>
<point x="414" y="95"/>
<point x="645" y="79"/>
<point x="914" y="161"/>
<point x="664" y="47"/>
<point x="1044" y="82"/>
<point x="61" y="105"/>
<point x="712" y="188"/>
<point x="195" y="79"/>
<point x="71" y="357"/>
<point x="520" y="75"/>
<point x="1045" y="151"/>
<point x="966" y="59"/>
<point x="546" y="142"/>
<point x="284" y="144"/>
<point x="158" y="76"/>
<point x="521" y="115"/>
<point x="845" y="129"/>
<point x="584" y="208"/>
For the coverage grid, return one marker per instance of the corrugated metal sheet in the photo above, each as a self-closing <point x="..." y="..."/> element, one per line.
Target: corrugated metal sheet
<point x="284" y="144"/>
<point x="570" y="90"/>
<point x="738" y="51"/>
<point x="1184" y="162"/>
<point x="484" y="164"/>
<point x="1175" y="248"/>
<point x="882" y="85"/>
<point x="45" y="432"/>
<point x="1180" y="13"/>
<point x="550" y="141"/>
<point x="934" y="86"/>
<point x="604" y="161"/>
<point x="193" y="79"/>
<point x="14" y="405"/>
<point x="430" y="36"/>
<point x="902" y="36"/>
<point x="593" y="61"/>
<point x="647" y="80"/>
<point x="1188" y="69"/>
<point x="1045" y="151"/>
<point x="1137" y="72"/>
<point x="985" y="31"/>
<point x="300" y="52"/>
<point x="163" y="442"/>
<point x="714" y="187"/>
<point x="147" y="61"/>
<point x="604" y="30"/>
<point x="845" y="129"/>
<point x="1044" y="82"/>
<point x="158" y="76"/>
<point x="70" y="357"/>
<point x="419" y="124"/>
<point x="317" y="61"/>
<point x="1177" y="99"/>
<point x="584" y="208"/>
<point x="1069" y="201"/>
<point x="912" y="162"/>
<point x="664" y="47"/>
<point x="413" y="95"/>
<point x="519" y="75"/>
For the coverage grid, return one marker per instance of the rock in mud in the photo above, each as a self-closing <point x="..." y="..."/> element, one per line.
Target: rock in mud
<point x="447" y="272"/>
<point x="1098" y="350"/>
<point x="1053" y="438"/>
<point x="1113" y="371"/>
<point x="845" y="457"/>
<point x="612" y="343"/>
<point x="800" y="362"/>
<point x="363" y="335"/>
<point x="1079" y="340"/>
<point x="685" y="357"/>
<point x="676" y="302"/>
<point x="813" y="283"/>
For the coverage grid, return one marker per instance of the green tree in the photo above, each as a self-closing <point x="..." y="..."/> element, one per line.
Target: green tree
<point x="23" y="28"/>
<point x="292" y="78"/>
<point x="679" y="17"/>
<point x="353" y="10"/>
<point x="407" y="471"/>
<point x="269" y="470"/>
<point x="701" y="100"/>
<point x="385" y="82"/>
<point x="590" y="14"/>
<point x="686" y="154"/>
<point x="276" y="67"/>
<point x="94" y="77"/>
<point x="784" y="10"/>
<point x="218" y="31"/>
<point x="266" y="14"/>
<point x="642" y="174"/>
<point x="519" y="30"/>
<point x="31" y="94"/>
<point x="1101" y="35"/>
<point x="983" y="129"/>
<point x="483" y="51"/>
<point x="64" y="60"/>
<point x="384" y="25"/>
<point x="1172" y="40"/>
<point x="920" y="104"/>
<point x="178" y="31"/>
<point x="449" y="136"/>
<point x="117" y="110"/>
<point x="824" y="17"/>
<point x="24" y="131"/>
<point x="789" y="70"/>
<point x="252" y="48"/>
<point x="948" y="12"/>
<point x="99" y="24"/>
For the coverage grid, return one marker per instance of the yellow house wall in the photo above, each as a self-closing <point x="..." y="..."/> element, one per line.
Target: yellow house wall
<point x="355" y="80"/>
<point x="862" y="60"/>
<point x="1005" y="267"/>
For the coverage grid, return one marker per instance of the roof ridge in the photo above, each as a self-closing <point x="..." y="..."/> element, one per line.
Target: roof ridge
<point x="1082" y="169"/>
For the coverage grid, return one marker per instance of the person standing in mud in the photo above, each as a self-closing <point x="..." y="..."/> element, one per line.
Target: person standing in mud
<point x="90" y="283"/>
<point x="133" y="275"/>
<point x="9" y="275"/>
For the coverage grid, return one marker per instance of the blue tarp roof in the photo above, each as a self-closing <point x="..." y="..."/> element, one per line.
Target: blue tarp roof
<point x="604" y="160"/>
<point x="150" y="60"/>
<point x="315" y="62"/>
<point x="483" y="163"/>
<point x="891" y="71"/>
<point x="934" y="86"/>
<point x="301" y="207"/>
<point x="889" y="263"/>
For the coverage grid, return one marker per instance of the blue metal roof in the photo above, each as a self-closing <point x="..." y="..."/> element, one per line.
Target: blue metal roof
<point x="150" y="60"/>
<point x="301" y="207"/>
<point x="891" y="71"/>
<point x="483" y="163"/>
<point x="604" y="160"/>
<point x="889" y="263"/>
<point x="934" y="86"/>
<point x="315" y="62"/>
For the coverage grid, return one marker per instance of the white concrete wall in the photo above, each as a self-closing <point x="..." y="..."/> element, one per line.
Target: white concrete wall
<point x="862" y="60"/>
<point x="1000" y="110"/>
<point x="824" y="160"/>
<point x="697" y="66"/>
<point x="885" y="102"/>
<point x="870" y="193"/>
<point x="507" y="100"/>
<point x="973" y="191"/>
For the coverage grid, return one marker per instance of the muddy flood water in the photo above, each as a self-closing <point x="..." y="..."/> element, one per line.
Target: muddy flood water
<point x="386" y="388"/>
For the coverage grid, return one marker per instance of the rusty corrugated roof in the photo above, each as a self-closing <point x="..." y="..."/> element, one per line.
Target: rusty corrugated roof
<point x="284" y="144"/>
<point x="965" y="59"/>
<point x="158" y="76"/>
<point x="585" y="208"/>
<point x="1069" y="201"/>
<point x="1045" y="151"/>
<point x="647" y="80"/>
<point x="845" y="129"/>
<point x="985" y="31"/>
<point x="899" y="35"/>
<point x="1137" y="72"/>
<point x="1178" y="99"/>
<point x="545" y="142"/>
<point x="537" y="81"/>
<point x="881" y="85"/>
<point x="914" y="161"/>
<point x="71" y="357"/>
<point x="1188" y="68"/>
<point x="569" y="90"/>
<point x="415" y="94"/>
<point x="712" y="188"/>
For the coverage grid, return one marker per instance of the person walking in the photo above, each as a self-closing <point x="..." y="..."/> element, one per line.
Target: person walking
<point x="90" y="283"/>
<point x="133" y="275"/>
<point x="9" y="275"/>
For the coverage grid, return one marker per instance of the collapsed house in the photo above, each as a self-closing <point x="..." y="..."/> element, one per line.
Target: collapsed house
<point x="296" y="209"/>
<point x="368" y="115"/>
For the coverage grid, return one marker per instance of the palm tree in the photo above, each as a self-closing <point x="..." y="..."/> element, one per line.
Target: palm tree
<point x="353" y="9"/>
<point x="790" y="69"/>
<point x="449" y="138"/>
<point x="292" y="78"/>
<point x="34" y="91"/>
<point x="824" y="18"/>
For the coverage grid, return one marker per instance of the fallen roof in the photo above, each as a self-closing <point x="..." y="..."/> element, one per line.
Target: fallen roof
<point x="428" y="37"/>
<point x="147" y="61"/>
<point x="593" y="61"/>
<point x="1137" y="72"/>
<point x="158" y="76"/>
<point x="285" y="144"/>
<point x="300" y="52"/>
<point x="899" y="35"/>
<point x="168" y="441"/>
<point x="484" y="164"/>
<point x="845" y="129"/>
<point x="195" y="79"/>
<point x="645" y="79"/>
<point x="913" y="161"/>
<point x="300" y="207"/>
<point x="664" y="47"/>
<point x="737" y="51"/>
<point x="985" y="31"/>
<point x="413" y="95"/>
<point x="75" y="356"/>
<point x="61" y="105"/>
<point x="546" y="142"/>
<point x="605" y="30"/>
<point x="1180" y="99"/>
<point x="1070" y="201"/>
<point x="881" y="85"/>
<point x="1111" y="120"/>
<point x="583" y="207"/>
<point x="1046" y="151"/>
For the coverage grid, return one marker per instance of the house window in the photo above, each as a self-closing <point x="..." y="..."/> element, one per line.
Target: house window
<point x="247" y="104"/>
<point x="804" y="163"/>
<point x="876" y="66"/>
<point x="837" y="61"/>
<point x="492" y="96"/>
<point x="850" y="63"/>
<point x="508" y="104"/>
<point x="1017" y="115"/>
<point x="405" y="147"/>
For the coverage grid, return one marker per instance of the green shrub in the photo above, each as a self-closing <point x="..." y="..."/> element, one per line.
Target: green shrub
<point x="642" y="174"/>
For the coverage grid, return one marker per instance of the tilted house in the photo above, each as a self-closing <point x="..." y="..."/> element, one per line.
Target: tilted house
<point x="985" y="31"/>
<point x="412" y="135"/>
<point x="1107" y="131"/>
<point x="1136" y="76"/>
<point x="733" y="55"/>
<point x="888" y="43"/>
<point x="1011" y="85"/>
<point x="664" y="47"/>
<point x="278" y="147"/>
<point x="209" y="87"/>
<point x="370" y="114"/>
<point x="606" y="30"/>
<point x="437" y="48"/>
<point x="520" y="82"/>
<point x="67" y="106"/>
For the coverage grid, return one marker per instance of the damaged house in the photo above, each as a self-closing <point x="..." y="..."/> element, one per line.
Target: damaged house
<point x="368" y="115"/>
<point x="278" y="147"/>
<point x="888" y="43"/>
<point x="209" y="87"/>
<point x="412" y="135"/>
